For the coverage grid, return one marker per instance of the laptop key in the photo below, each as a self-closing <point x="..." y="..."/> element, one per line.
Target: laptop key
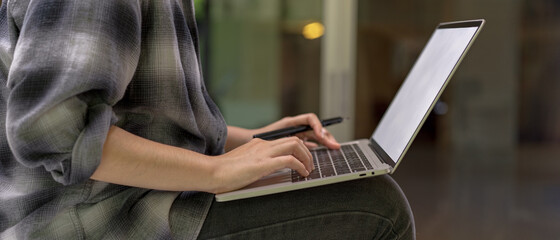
<point x="339" y="162"/>
<point x="353" y="158"/>
<point x="334" y="162"/>
<point x="296" y="177"/>
<point x="364" y="160"/>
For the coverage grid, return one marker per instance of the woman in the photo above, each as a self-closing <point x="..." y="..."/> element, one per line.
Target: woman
<point x="110" y="133"/>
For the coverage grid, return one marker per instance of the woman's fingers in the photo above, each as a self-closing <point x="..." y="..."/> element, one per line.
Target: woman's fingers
<point x="319" y="133"/>
<point x="310" y="145"/>
<point x="259" y="158"/>
<point x="326" y="138"/>
<point x="288" y="161"/>
<point x="295" y="147"/>
<point x="308" y="119"/>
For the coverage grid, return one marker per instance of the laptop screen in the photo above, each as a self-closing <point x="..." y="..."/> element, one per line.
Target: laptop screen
<point x="421" y="88"/>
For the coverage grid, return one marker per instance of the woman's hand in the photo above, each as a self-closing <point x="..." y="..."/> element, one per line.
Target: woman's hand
<point x="258" y="158"/>
<point x="239" y="136"/>
<point x="319" y="134"/>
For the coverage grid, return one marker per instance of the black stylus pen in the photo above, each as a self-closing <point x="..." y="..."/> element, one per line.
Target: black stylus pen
<point x="289" y="131"/>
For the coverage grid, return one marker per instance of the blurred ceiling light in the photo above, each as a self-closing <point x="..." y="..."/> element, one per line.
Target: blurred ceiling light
<point x="313" y="30"/>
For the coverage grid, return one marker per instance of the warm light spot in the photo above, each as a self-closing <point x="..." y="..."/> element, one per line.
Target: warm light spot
<point x="313" y="30"/>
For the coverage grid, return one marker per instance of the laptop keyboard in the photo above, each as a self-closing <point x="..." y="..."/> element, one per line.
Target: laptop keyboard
<point x="329" y="162"/>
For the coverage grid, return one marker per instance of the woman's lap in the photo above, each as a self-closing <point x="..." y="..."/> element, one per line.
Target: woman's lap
<point x="372" y="208"/>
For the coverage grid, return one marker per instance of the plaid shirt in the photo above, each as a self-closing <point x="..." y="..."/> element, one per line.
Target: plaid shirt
<point x="70" y="70"/>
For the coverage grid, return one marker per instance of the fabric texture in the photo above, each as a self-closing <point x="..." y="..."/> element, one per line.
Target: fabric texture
<point x="371" y="208"/>
<point x="71" y="69"/>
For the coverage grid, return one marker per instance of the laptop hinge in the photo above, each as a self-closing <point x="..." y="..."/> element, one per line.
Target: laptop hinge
<point x="381" y="155"/>
<point x="375" y="152"/>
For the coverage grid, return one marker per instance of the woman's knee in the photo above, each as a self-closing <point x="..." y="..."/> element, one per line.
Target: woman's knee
<point x="380" y="196"/>
<point x="389" y="200"/>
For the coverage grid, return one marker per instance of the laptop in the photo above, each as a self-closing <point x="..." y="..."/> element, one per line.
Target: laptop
<point x="401" y="122"/>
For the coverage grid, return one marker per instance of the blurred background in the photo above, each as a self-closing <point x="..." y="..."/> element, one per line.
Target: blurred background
<point x="486" y="163"/>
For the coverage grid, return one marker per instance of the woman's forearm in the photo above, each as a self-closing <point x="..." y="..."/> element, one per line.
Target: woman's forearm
<point x="130" y="160"/>
<point x="237" y="137"/>
<point x="134" y="161"/>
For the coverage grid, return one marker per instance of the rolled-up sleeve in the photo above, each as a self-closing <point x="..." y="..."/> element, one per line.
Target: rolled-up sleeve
<point x="72" y="63"/>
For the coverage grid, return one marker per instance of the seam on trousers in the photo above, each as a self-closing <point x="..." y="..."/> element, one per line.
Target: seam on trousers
<point x="208" y="205"/>
<point x="77" y="223"/>
<point x="232" y="235"/>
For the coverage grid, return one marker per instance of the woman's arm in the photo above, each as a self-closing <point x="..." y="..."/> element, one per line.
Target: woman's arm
<point x="130" y="160"/>
<point x="238" y="136"/>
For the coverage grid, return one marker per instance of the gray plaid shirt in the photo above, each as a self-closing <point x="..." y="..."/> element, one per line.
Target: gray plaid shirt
<point x="71" y="69"/>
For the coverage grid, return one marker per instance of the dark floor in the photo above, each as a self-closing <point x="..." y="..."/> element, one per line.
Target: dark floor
<point x="483" y="194"/>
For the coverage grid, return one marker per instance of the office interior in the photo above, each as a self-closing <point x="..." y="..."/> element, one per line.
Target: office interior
<point x="486" y="163"/>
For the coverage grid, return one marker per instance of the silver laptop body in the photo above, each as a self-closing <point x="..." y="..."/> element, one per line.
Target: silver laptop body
<point x="384" y="151"/>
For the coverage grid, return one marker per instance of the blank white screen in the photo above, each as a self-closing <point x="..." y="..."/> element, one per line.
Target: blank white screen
<point x="420" y="88"/>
